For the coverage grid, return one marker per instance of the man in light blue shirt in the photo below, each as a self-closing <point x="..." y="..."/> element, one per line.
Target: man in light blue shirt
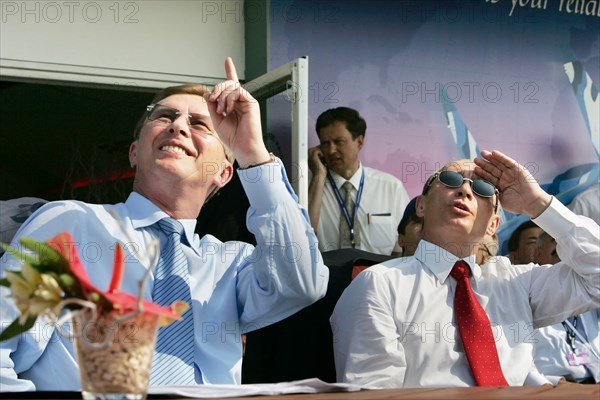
<point x="180" y="156"/>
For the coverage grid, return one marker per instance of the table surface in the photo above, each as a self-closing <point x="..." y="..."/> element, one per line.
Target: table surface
<point x="562" y="392"/>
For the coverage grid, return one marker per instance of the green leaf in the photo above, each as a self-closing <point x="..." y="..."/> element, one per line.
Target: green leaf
<point x="4" y="282"/>
<point x="15" y="328"/>
<point x="47" y="255"/>
<point x="32" y="260"/>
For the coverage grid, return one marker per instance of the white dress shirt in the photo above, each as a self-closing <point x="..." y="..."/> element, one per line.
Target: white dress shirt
<point x="394" y="325"/>
<point x="552" y="348"/>
<point x="381" y="206"/>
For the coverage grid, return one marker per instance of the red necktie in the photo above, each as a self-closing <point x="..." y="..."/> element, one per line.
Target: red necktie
<point x="475" y="331"/>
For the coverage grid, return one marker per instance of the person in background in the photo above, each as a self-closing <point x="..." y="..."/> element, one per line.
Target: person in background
<point x="588" y="203"/>
<point x="426" y="320"/>
<point x="568" y="350"/>
<point x="409" y="229"/>
<point x="523" y="242"/>
<point x="546" y="250"/>
<point x="351" y="205"/>
<point x="182" y="151"/>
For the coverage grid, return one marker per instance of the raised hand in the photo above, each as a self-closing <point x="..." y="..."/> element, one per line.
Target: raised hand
<point x="519" y="191"/>
<point x="236" y="117"/>
<point x="316" y="166"/>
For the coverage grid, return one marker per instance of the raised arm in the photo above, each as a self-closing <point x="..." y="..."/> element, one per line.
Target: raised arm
<point x="571" y="286"/>
<point x="236" y="118"/>
<point x="285" y="271"/>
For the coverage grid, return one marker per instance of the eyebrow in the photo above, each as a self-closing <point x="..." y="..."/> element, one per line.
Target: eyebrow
<point x="176" y="108"/>
<point x="335" y="139"/>
<point x="204" y="117"/>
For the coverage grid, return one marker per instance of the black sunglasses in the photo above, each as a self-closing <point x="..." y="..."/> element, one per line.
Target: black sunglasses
<point x="453" y="179"/>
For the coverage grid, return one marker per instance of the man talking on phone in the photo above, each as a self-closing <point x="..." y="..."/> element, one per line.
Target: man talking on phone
<point x="350" y="205"/>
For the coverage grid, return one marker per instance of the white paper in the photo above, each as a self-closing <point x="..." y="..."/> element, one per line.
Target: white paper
<point x="312" y="385"/>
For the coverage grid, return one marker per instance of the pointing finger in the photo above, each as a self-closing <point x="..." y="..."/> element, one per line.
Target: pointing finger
<point x="230" y="70"/>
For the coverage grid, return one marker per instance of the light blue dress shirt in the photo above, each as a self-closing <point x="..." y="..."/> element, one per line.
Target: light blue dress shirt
<point x="235" y="287"/>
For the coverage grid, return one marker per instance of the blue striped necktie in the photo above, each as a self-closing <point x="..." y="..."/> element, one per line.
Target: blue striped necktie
<point x="173" y="362"/>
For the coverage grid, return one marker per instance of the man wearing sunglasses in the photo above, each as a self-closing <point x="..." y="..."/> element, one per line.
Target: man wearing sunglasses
<point x="181" y="153"/>
<point x="439" y="319"/>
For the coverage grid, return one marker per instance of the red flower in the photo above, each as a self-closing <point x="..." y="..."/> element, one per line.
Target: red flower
<point x="63" y="243"/>
<point x="54" y="278"/>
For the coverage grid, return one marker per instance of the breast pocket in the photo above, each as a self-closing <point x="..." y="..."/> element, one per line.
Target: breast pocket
<point x="382" y="232"/>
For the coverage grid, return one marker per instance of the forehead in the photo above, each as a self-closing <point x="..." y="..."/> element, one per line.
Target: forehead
<point x="186" y="102"/>
<point x="465" y="167"/>
<point x="337" y="130"/>
<point x="529" y="233"/>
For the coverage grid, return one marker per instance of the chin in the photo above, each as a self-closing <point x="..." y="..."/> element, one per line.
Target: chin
<point x="337" y="168"/>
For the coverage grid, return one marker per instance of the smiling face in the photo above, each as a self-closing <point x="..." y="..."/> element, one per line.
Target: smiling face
<point x="177" y="151"/>
<point x="340" y="149"/>
<point x="455" y="218"/>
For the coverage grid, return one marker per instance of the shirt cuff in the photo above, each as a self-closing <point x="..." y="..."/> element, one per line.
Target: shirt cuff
<point x="555" y="218"/>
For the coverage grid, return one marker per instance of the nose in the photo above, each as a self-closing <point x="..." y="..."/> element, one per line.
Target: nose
<point x="465" y="190"/>
<point x="180" y="125"/>
<point x="328" y="148"/>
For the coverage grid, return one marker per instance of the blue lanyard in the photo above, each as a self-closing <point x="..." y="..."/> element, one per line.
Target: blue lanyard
<point x="342" y="203"/>
<point x="571" y="333"/>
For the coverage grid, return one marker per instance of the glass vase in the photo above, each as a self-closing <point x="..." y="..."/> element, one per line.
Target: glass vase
<point x="115" y="356"/>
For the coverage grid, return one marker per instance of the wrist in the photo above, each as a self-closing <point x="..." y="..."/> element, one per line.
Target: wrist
<point x="317" y="181"/>
<point x="259" y="163"/>
<point x="538" y="207"/>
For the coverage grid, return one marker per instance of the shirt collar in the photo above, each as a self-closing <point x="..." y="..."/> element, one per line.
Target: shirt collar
<point x="144" y="213"/>
<point x="440" y="261"/>
<point x="354" y="179"/>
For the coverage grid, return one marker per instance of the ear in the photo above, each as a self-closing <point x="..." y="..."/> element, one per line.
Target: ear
<point x="493" y="225"/>
<point x="133" y="154"/>
<point x="401" y="240"/>
<point x="222" y="177"/>
<point x="360" y="141"/>
<point x="420" y="206"/>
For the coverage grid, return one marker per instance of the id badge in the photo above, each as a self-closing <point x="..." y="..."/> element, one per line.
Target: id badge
<point x="582" y="358"/>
